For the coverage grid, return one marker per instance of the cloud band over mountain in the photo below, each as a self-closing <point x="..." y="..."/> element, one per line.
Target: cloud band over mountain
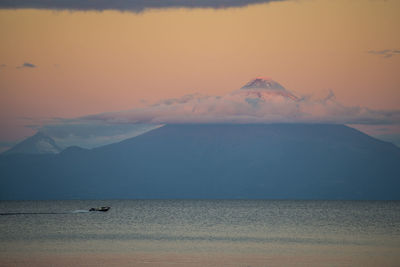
<point x="235" y="109"/>
<point x="262" y="100"/>
<point x="248" y="105"/>
<point x="123" y="5"/>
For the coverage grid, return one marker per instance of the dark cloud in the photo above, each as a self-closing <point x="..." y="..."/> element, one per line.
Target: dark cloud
<point x="26" y="65"/>
<point x="386" y="53"/>
<point x="126" y="5"/>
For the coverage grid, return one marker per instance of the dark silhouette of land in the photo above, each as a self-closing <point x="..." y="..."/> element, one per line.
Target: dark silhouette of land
<point x="272" y="161"/>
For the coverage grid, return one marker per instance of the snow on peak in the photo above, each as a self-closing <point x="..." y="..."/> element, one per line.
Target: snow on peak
<point x="263" y="83"/>
<point x="266" y="89"/>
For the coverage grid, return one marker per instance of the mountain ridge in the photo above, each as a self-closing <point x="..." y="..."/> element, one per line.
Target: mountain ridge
<point x="39" y="143"/>
<point x="263" y="161"/>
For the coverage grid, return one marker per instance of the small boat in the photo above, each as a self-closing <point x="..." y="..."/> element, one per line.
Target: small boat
<point x="104" y="209"/>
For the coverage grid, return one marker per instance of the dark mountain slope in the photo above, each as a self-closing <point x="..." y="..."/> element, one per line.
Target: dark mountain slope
<point x="295" y="161"/>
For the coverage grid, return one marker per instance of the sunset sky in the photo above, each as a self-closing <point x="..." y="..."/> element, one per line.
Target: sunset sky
<point x="67" y="62"/>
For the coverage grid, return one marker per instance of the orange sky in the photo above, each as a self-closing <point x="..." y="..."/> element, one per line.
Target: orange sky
<point x="92" y="62"/>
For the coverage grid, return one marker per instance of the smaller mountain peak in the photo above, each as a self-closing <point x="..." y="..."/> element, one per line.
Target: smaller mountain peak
<point x="40" y="143"/>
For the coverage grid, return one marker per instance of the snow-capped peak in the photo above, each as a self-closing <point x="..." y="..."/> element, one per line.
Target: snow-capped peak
<point x="265" y="89"/>
<point x="263" y="83"/>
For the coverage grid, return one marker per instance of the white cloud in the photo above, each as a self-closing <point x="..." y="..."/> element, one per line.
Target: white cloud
<point x="241" y="106"/>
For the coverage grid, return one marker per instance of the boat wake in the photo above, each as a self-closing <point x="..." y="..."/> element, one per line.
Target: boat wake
<point x="79" y="211"/>
<point x="31" y="213"/>
<point x="41" y="213"/>
<point x="102" y="209"/>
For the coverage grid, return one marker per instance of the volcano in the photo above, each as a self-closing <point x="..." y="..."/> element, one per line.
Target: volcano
<point x="266" y="89"/>
<point x="39" y="143"/>
<point x="263" y="83"/>
<point x="264" y="161"/>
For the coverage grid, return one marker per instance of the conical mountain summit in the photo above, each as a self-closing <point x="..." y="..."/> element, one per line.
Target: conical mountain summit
<point x="39" y="143"/>
<point x="265" y="89"/>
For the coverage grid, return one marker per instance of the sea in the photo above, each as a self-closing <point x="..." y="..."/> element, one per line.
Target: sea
<point x="239" y="233"/>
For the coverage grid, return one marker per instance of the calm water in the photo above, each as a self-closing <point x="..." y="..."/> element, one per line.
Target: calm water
<point x="241" y="232"/>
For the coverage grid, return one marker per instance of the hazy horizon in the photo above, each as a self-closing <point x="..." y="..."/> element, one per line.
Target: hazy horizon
<point x="199" y="133"/>
<point x="79" y="69"/>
